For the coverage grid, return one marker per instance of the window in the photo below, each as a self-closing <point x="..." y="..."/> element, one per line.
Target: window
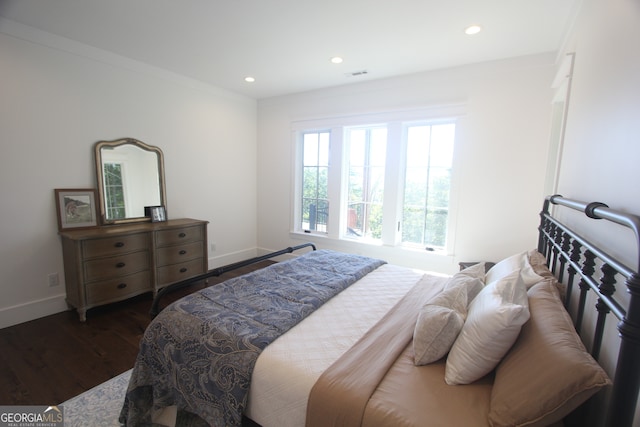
<point x="315" y="203"/>
<point x="427" y="184"/>
<point x="367" y="154"/>
<point x="114" y="191"/>
<point x="388" y="182"/>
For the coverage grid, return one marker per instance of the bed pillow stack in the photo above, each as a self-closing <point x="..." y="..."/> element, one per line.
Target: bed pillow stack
<point x="475" y="324"/>
<point x="441" y="320"/>
<point x="494" y="322"/>
<point x="493" y="325"/>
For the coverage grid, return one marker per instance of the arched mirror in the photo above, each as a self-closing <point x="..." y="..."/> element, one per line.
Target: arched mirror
<point x="130" y="177"/>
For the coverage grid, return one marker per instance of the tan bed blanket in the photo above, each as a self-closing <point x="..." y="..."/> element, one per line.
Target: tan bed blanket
<point x="376" y="383"/>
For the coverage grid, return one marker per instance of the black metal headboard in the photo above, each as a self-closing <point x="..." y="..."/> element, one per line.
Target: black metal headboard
<point x="571" y="257"/>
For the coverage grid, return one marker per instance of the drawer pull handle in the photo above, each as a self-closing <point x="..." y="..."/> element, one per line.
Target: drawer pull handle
<point x="120" y="264"/>
<point x="119" y="244"/>
<point x="183" y="270"/>
<point x="181" y="235"/>
<point x="182" y="252"/>
<point x="122" y="285"/>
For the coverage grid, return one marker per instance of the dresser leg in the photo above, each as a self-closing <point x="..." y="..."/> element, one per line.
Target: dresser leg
<point x="82" y="313"/>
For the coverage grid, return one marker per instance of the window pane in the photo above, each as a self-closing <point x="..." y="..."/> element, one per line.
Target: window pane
<point x="378" y="154"/>
<point x="114" y="191"/>
<point x="315" y="175"/>
<point x="356" y="184"/>
<point x="357" y="147"/>
<point x="439" y="185"/>
<point x="427" y="184"/>
<point x="323" y="183"/>
<point x="323" y="149"/>
<point x="442" y="145"/>
<point x="413" y="224"/>
<point x="315" y="214"/>
<point x="418" y="138"/>
<point x="376" y="190"/>
<point x="367" y="157"/>
<point x="415" y="186"/>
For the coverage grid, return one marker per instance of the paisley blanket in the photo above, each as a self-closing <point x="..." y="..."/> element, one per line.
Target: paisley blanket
<point x="199" y="353"/>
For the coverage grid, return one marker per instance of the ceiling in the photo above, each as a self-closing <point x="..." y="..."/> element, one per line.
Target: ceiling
<point x="286" y="45"/>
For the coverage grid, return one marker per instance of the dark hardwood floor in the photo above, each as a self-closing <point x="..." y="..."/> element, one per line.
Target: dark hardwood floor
<point x="49" y="360"/>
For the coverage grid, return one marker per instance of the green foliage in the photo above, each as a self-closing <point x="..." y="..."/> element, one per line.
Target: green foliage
<point x="114" y="190"/>
<point x="425" y="223"/>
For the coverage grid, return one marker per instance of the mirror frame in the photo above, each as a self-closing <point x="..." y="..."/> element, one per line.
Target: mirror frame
<point x="99" y="175"/>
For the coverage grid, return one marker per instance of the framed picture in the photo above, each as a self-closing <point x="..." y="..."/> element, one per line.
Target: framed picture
<point x="157" y="213"/>
<point x="76" y="208"/>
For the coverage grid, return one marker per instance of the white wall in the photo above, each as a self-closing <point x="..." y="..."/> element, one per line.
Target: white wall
<point x="602" y="143"/>
<point x="501" y="151"/>
<point x="57" y="99"/>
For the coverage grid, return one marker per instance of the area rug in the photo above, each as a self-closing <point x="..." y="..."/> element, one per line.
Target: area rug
<point x="98" y="407"/>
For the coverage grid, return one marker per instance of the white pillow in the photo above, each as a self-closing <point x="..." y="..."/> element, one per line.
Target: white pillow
<point x="513" y="263"/>
<point x="441" y="319"/>
<point x="493" y="323"/>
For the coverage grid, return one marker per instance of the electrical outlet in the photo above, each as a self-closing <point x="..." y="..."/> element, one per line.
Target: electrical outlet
<point x="213" y="247"/>
<point x="53" y="279"/>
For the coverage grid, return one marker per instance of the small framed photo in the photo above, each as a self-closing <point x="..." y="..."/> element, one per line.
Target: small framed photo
<point x="76" y="208"/>
<point x="157" y="213"/>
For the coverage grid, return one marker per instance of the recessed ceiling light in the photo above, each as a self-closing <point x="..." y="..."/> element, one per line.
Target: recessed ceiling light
<point x="336" y="60"/>
<point x="249" y="79"/>
<point x="472" y="29"/>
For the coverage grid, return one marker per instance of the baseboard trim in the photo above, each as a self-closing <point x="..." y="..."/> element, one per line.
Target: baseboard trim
<point x="226" y="259"/>
<point x="32" y="310"/>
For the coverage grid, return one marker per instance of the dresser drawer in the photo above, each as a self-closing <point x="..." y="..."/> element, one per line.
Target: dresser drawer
<point x="178" y="236"/>
<point x="176" y="272"/>
<point x="115" y="245"/>
<point x="115" y="266"/>
<point x="176" y="254"/>
<point x="118" y="288"/>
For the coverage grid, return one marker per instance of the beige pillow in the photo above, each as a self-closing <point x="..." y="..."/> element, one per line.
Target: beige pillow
<point x="547" y="373"/>
<point x="436" y="329"/>
<point x="514" y="263"/>
<point x="493" y="323"/>
<point x="539" y="264"/>
<point x="440" y="320"/>
<point x="476" y="271"/>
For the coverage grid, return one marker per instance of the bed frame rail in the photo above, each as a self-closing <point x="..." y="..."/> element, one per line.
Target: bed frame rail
<point x="569" y="253"/>
<point x="219" y="271"/>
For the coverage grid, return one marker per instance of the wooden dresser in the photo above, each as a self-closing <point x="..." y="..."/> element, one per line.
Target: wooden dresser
<point x="116" y="262"/>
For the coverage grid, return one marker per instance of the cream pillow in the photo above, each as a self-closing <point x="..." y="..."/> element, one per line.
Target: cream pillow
<point x="441" y="319"/>
<point x="493" y="323"/>
<point x="514" y="263"/>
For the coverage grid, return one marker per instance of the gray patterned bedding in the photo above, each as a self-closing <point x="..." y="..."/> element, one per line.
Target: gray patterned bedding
<point x="199" y="353"/>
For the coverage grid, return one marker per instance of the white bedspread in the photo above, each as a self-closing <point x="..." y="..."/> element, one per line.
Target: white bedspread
<point x="287" y="369"/>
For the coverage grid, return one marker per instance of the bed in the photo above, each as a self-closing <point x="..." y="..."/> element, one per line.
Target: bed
<point x="346" y="340"/>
